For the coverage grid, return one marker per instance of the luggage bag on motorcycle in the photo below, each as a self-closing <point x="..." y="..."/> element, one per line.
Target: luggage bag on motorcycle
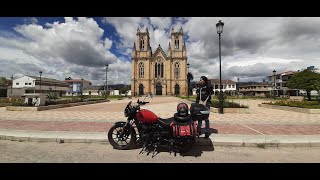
<point x="199" y="111"/>
<point x="183" y="127"/>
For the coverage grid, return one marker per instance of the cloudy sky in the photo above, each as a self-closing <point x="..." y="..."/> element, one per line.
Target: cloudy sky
<point x="80" y="47"/>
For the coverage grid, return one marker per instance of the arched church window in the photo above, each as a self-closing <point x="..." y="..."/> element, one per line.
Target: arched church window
<point x="155" y="70"/>
<point x="176" y="70"/>
<point x="142" y="44"/>
<point x="176" y="43"/>
<point x="141" y="70"/>
<point x="162" y="66"/>
<point x="159" y="70"/>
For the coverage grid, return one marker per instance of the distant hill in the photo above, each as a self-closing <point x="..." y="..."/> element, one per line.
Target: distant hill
<point x="118" y="86"/>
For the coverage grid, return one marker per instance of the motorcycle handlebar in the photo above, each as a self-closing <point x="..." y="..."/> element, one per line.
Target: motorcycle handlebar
<point x="142" y="103"/>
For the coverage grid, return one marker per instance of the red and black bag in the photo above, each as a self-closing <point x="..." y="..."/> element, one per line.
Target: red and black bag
<point x="184" y="129"/>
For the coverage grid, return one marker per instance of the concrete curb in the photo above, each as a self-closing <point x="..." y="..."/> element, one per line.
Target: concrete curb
<point x="260" y="141"/>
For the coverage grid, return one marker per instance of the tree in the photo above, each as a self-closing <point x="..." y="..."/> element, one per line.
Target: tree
<point x="4" y="82"/>
<point x="306" y="80"/>
<point x="124" y="90"/>
<point x="51" y="95"/>
<point x="316" y="86"/>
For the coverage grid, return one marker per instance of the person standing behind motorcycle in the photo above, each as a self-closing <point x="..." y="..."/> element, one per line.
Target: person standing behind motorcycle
<point x="204" y="91"/>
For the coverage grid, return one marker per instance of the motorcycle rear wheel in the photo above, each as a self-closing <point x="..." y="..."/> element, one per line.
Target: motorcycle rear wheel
<point x="123" y="143"/>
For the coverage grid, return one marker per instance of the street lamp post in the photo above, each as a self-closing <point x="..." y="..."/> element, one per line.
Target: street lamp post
<point x="238" y="87"/>
<point x="219" y="26"/>
<point x="11" y="82"/>
<point x="107" y="80"/>
<point x="134" y="86"/>
<point x="188" y="77"/>
<point x="81" y="86"/>
<point x="40" y="72"/>
<point x="274" y="84"/>
<point x="104" y="87"/>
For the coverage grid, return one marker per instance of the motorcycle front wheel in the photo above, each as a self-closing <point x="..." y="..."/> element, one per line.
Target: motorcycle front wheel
<point x="124" y="142"/>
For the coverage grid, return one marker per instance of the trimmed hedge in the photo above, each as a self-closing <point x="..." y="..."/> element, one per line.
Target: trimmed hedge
<point x="227" y="104"/>
<point x="300" y="104"/>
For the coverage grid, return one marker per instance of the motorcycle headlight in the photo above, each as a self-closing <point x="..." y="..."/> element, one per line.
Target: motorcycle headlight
<point x="126" y="112"/>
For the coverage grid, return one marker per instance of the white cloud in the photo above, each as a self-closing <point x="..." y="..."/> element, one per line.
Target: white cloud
<point x="77" y="42"/>
<point x="265" y="60"/>
<point x="107" y="43"/>
<point x="250" y="47"/>
<point x="126" y="28"/>
<point x="56" y="49"/>
<point x="161" y="22"/>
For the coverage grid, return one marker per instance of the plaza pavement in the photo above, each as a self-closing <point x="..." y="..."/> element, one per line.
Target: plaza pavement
<point x="90" y="123"/>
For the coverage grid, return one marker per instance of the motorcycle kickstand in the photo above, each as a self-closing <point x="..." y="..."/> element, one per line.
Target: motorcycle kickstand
<point x="143" y="148"/>
<point x="154" y="151"/>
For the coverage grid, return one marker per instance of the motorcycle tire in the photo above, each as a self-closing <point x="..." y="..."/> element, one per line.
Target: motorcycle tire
<point x="124" y="144"/>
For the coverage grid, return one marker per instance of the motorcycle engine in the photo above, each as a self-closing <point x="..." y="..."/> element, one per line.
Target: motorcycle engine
<point x="154" y="134"/>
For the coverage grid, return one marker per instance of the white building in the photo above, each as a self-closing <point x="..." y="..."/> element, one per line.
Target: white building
<point x="76" y="86"/>
<point x="93" y="90"/>
<point x="114" y="92"/>
<point x="33" y="84"/>
<point x="228" y="86"/>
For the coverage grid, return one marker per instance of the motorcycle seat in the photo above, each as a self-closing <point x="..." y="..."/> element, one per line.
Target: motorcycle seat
<point x="166" y="122"/>
<point x="182" y="119"/>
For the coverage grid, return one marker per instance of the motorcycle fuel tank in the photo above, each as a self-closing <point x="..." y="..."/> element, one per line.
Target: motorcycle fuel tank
<point x="146" y="116"/>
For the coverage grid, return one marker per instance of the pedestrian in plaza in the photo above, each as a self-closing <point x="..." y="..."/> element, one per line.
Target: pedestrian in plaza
<point x="204" y="91"/>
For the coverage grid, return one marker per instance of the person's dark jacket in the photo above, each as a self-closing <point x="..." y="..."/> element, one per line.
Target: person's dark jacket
<point x="205" y="92"/>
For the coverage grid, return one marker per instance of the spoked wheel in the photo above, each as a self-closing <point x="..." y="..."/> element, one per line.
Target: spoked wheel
<point x="118" y="142"/>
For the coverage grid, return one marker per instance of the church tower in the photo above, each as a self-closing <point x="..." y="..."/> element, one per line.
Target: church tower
<point x="158" y="73"/>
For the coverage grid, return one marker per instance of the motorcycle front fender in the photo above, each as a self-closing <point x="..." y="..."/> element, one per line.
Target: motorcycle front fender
<point x="120" y="123"/>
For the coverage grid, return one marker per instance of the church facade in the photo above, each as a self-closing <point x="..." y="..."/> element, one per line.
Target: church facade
<point x="157" y="72"/>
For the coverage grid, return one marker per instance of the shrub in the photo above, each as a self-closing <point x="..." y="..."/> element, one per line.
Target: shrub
<point x="227" y="104"/>
<point x="5" y="100"/>
<point x="300" y="104"/>
<point x="18" y="103"/>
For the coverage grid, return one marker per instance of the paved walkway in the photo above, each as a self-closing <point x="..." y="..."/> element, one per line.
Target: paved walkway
<point x="259" y="125"/>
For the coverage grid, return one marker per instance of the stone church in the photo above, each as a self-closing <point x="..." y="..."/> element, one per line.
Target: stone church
<point x="158" y="72"/>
